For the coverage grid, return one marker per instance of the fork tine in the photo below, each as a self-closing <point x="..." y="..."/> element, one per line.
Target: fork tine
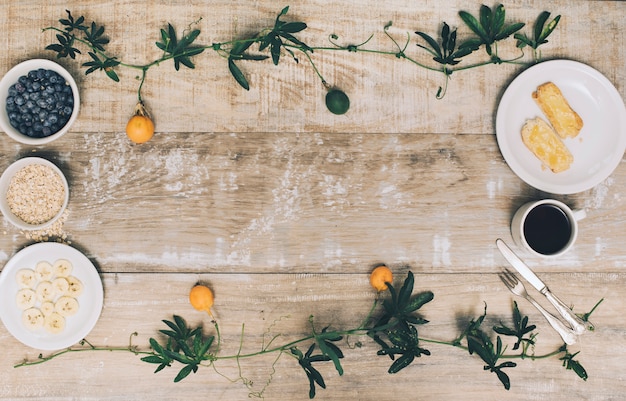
<point x="506" y="279"/>
<point x="511" y="277"/>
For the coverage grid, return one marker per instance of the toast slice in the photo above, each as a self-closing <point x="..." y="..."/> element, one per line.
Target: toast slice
<point x="546" y="145"/>
<point x="565" y="121"/>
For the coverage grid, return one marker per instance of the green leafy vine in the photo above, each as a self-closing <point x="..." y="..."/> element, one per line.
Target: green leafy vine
<point x="392" y="324"/>
<point x="489" y="28"/>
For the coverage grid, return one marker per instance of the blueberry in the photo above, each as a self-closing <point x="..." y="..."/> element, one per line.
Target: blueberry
<point x="46" y="131"/>
<point x="19" y="100"/>
<point x="53" y="118"/>
<point x="12" y="90"/>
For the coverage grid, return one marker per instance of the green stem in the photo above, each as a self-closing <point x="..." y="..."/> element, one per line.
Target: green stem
<point x="72" y="349"/>
<point x="143" y="79"/>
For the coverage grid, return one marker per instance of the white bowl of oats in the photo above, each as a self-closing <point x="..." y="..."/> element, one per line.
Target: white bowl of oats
<point x="34" y="193"/>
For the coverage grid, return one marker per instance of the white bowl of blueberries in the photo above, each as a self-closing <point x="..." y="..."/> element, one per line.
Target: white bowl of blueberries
<point x="39" y="102"/>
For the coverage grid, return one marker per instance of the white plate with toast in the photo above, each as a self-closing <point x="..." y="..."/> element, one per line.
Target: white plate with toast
<point x="90" y="298"/>
<point x="598" y="148"/>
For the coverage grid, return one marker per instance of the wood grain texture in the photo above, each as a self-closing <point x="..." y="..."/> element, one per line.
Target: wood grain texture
<point x="284" y="208"/>
<point x="328" y="202"/>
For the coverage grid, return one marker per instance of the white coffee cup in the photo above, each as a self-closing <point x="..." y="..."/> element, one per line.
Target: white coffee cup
<point x="546" y="228"/>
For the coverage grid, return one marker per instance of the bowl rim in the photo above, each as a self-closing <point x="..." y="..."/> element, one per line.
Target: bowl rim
<point x="12" y="76"/>
<point x="5" y="180"/>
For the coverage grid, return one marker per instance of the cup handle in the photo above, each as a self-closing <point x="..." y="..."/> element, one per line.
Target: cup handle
<point x="579" y="214"/>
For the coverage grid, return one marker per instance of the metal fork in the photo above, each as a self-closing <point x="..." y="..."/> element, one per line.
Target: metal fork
<point x="517" y="288"/>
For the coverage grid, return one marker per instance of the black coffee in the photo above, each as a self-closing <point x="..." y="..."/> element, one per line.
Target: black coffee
<point x="547" y="229"/>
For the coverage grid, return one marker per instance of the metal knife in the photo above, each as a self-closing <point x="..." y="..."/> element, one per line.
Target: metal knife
<point x="578" y="325"/>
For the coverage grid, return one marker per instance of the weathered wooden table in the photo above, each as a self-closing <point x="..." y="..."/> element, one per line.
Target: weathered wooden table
<point x="284" y="208"/>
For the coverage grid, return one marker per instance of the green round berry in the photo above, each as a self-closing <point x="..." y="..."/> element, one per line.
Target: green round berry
<point x="337" y="101"/>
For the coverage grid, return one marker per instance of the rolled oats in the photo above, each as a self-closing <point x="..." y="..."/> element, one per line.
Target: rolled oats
<point x="36" y="194"/>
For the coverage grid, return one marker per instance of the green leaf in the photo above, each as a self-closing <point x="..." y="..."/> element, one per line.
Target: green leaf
<point x="185" y="371"/>
<point x="238" y="75"/>
<point x="275" y="45"/>
<point x="401" y="363"/>
<point x="153" y="359"/>
<point x="156" y="346"/>
<point x="497" y="22"/>
<point x="332" y="354"/>
<point x="205" y="346"/>
<point x="177" y="330"/>
<point x="176" y="356"/>
<point x="293" y="27"/>
<point x="170" y="333"/>
<point x="419" y="301"/>
<point x="504" y="378"/>
<point x="505" y="331"/>
<point x="415" y="320"/>
<point x="578" y="369"/>
<point x="436" y="50"/>
<point x="406" y="290"/>
<point x="240" y="47"/>
<point x="539" y="24"/>
<point x="508" y="31"/>
<point x="473" y="24"/>
<point x="283" y="12"/>
<point x="112" y="74"/>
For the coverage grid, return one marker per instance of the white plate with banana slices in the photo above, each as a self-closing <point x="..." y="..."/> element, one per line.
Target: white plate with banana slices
<point x="599" y="147"/>
<point x="50" y="296"/>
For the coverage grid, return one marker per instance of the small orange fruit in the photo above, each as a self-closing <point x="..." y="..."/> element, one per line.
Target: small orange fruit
<point x="140" y="127"/>
<point x="201" y="298"/>
<point x="379" y="278"/>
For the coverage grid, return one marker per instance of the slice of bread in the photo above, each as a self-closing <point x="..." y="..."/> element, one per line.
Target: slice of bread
<point x="546" y="145"/>
<point x="566" y="122"/>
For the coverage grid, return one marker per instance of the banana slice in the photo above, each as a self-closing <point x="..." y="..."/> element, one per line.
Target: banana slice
<point x="54" y="323"/>
<point x="44" y="271"/>
<point x="76" y="286"/>
<point x="26" y="278"/>
<point x="66" y="306"/>
<point x="61" y="286"/>
<point x="45" y="291"/>
<point x="32" y="319"/>
<point x="25" y="298"/>
<point x="47" y="308"/>
<point x="62" y="268"/>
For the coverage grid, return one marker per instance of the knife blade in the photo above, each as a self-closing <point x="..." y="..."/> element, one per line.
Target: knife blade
<point x="578" y="325"/>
